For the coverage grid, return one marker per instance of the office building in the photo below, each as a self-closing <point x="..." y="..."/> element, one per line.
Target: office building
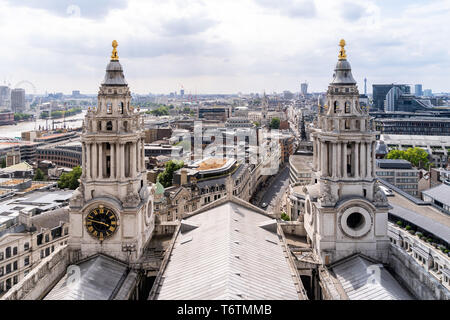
<point x="381" y="90"/>
<point x="304" y="88"/>
<point x="18" y="100"/>
<point x="418" y="90"/>
<point x="5" y="97"/>
<point x="400" y="173"/>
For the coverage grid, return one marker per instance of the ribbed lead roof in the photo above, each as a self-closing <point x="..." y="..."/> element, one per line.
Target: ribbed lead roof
<point x="231" y="254"/>
<point x="114" y="74"/>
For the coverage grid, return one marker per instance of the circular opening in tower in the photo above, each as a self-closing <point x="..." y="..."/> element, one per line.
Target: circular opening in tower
<point x="355" y="220"/>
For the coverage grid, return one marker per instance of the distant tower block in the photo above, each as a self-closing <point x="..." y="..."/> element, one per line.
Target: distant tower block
<point x="304" y="88"/>
<point x="365" y="86"/>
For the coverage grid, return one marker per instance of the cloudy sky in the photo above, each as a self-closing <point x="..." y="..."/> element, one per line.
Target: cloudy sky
<point x="216" y="46"/>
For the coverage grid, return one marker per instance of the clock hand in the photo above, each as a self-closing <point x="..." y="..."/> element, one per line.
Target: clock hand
<point x="99" y="222"/>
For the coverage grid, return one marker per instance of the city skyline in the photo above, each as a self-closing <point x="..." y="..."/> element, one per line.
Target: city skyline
<point x="246" y="46"/>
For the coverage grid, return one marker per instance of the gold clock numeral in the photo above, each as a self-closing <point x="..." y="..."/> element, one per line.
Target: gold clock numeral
<point x="101" y="210"/>
<point x="90" y="229"/>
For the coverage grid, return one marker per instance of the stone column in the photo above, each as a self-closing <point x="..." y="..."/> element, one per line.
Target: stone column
<point x="143" y="155"/>
<point x="87" y="161"/>
<point x="113" y="161"/>
<point x="138" y="154"/>
<point x="373" y="159"/>
<point x="357" y="159"/>
<point x="324" y="166"/>
<point x="83" y="159"/>
<point x="363" y="162"/>
<point x="133" y="160"/>
<point x="121" y="161"/>
<point x="100" y="160"/>
<point x="94" y="161"/>
<point x="369" y="160"/>
<point x="338" y="159"/>
<point x="334" y="160"/>
<point x="344" y="158"/>
<point x="314" y="154"/>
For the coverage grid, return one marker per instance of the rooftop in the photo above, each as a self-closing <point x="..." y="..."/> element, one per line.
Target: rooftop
<point x="301" y="162"/>
<point x="100" y="277"/>
<point x="440" y="193"/>
<point x="228" y="252"/>
<point x="361" y="281"/>
<point x="212" y="163"/>
<point x="425" y="216"/>
<point x="393" y="164"/>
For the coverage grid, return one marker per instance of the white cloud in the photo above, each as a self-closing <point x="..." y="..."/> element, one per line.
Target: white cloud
<point x="224" y="46"/>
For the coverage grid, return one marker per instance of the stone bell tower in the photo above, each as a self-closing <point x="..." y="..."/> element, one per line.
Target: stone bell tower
<point x="346" y="212"/>
<point x="111" y="212"/>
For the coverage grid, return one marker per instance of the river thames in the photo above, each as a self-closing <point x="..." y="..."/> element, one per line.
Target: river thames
<point x="15" y="131"/>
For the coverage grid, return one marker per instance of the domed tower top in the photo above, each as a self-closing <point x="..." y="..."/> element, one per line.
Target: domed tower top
<point x="343" y="71"/>
<point x="114" y="72"/>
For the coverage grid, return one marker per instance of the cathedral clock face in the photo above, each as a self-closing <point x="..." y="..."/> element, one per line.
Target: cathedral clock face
<point x="101" y="222"/>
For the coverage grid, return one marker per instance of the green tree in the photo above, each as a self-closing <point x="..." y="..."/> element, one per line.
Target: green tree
<point x="417" y="156"/>
<point x="3" y="163"/>
<point x="284" y="216"/>
<point x="395" y="154"/>
<point x="256" y="123"/>
<point x="70" y="179"/>
<point x="39" y="175"/>
<point x="165" y="177"/>
<point x="186" y="110"/>
<point x="275" y="123"/>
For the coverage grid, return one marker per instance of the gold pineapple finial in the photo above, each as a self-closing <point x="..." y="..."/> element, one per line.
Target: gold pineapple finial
<point x="342" y="54"/>
<point x="114" y="55"/>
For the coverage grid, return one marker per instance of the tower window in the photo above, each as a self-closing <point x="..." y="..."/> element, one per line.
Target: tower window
<point x="347" y="124"/>
<point x="336" y="90"/>
<point x="347" y="107"/>
<point x="109" y="126"/>
<point x="109" y="107"/>
<point x="336" y="106"/>
<point x="99" y="126"/>
<point x="121" y="107"/>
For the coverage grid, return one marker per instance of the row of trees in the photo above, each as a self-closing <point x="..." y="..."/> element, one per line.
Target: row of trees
<point x="417" y="156"/>
<point x="161" y="111"/>
<point x="22" y="116"/>
<point x="59" y="114"/>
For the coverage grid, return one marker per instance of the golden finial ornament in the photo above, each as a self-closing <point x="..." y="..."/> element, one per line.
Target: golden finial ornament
<point x="114" y="55"/>
<point x="342" y="55"/>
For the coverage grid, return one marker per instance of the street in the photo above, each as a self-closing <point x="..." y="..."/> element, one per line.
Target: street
<point x="273" y="194"/>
